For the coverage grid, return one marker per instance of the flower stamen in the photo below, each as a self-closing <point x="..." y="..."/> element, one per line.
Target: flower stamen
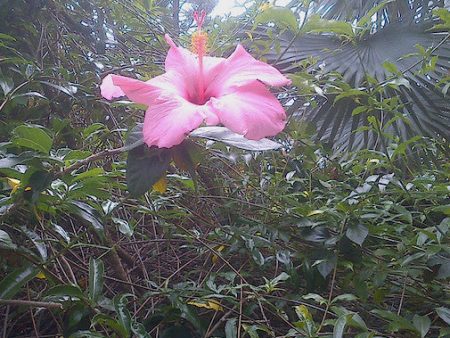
<point x="199" y="43"/>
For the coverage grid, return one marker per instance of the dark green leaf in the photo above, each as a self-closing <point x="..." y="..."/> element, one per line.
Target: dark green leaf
<point x="13" y="282"/>
<point x="422" y="324"/>
<point x="120" y="304"/>
<point x="96" y="271"/>
<point x="444" y="314"/>
<point x="6" y="242"/>
<point x="63" y="291"/>
<point x="357" y="233"/>
<point x="145" y="167"/>
<point x="231" y="328"/>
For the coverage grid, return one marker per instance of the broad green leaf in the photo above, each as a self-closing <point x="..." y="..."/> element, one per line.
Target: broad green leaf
<point x="422" y="324"/>
<point x="357" y="233"/>
<point x="134" y="138"/>
<point x="231" y="328"/>
<point x="94" y="172"/>
<point x="444" y="314"/>
<point x="226" y="136"/>
<point x="145" y="166"/>
<point x="124" y="226"/>
<point x="32" y="137"/>
<point x="89" y="214"/>
<point x="6" y="242"/>
<point x="96" y="271"/>
<point x="6" y="84"/>
<point x="281" y="16"/>
<point x="63" y="291"/>
<point x="120" y="304"/>
<point x="315" y="24"/>
<point x="112" y="323"/>
<point x="14" y="281"/>
<point x="339" y="326"/>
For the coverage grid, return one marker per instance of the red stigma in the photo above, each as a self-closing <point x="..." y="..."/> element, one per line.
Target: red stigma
<point x="199" y="18"/>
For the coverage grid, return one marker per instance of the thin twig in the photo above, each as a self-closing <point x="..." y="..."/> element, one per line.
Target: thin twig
<point x="31" y="303"/>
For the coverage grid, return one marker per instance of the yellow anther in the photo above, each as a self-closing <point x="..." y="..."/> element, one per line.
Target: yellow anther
<point x="199" y="42"/>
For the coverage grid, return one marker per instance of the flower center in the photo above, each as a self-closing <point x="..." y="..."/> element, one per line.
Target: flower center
<point x="199" y="42"/>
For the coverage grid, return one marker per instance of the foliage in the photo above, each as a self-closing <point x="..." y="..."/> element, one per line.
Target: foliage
<point x="235" y="239"/>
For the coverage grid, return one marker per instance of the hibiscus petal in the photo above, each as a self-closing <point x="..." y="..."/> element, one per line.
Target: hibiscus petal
<point x="136" y="90"/>
<point x="170" y="119"/>
<point x="251" y="110"/>
<point x="184" y="70"/>
<point x="241" y="68"/>
<point x="109" y="90"/>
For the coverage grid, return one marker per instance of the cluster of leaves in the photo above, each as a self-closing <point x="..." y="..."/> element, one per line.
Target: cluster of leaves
<point x="229" y="242"/>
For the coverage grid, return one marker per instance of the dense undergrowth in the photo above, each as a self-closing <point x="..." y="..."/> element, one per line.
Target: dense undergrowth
<point x="306" y="241"/>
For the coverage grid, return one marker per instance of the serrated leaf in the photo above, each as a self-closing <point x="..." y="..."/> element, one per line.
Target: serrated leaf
<point x="226" y="136"/>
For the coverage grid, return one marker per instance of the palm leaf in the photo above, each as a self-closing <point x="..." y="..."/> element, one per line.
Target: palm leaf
<point x="396" y="31"/>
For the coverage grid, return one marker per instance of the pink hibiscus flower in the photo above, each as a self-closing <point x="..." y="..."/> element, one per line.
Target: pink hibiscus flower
<point x="196" y="88"/>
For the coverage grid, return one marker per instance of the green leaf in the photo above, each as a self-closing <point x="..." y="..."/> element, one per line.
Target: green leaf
<point x="357" y="233"/>
<point x="120" y="304"/>
<point x="96" y="270"/>
<point x="226" y="136"/>
<point x="32" y="137"/>
<point x="6" y="84"/>
<point x="367" y="18"/>
<point x="12" y="283"/>
<point x="61" y="292"/>
<point x="134" y="138"/>
<point x="145" y="166"/>
<point x="112" y="323"/>
<point x="5" y="241"/>
<point x="422" y="324"/>
<point x="339" y="326"/>
<point x="444" y="314"/>
<point x="89" y="214"/>
<point x="231" y="328"/>
<point x="316" y="24"/>
<point x="281" y="16"/>
<point x="346" y="297"/>
<point x="124" y="227"/>
<point x="94" y="172"/>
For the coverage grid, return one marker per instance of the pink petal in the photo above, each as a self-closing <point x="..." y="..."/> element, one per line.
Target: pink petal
<point x="251" y="110"/>
<point x="170" y="119"/>
<point x="109" y="90"/>
<point x="184" y="65"/>
<point x="136" y="90"/>
<point x="242" y="68"/>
